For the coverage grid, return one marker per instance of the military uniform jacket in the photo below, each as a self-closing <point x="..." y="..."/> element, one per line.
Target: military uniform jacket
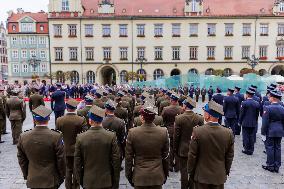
<point x="84" y="113"/>
<point x="99" y="103"/>
<point x="211" y="154"/>
<point x="184" y="125"/>
<point x="16" y="109"/>
<point x="158" y="121"/>
<point x="35" y="101"/>
<point x="137" y="110"/>
<point x="169" y="114"/>
<point x="2" y="108"/>
<point x="219" y="98"/>
<point x="70" y="125"/>
<point x="146" y="148"/>
<point x="231" y="107"/>
<point x="163" y="104"/>
<point x="41" y="157"/>
<point x="57" y="100"/>
<point x="249" y="113"/>
<point x="121" y="113"/>
<point x="97" y="159"/>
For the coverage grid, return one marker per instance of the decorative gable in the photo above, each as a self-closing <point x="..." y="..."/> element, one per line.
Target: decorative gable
<point x="27" y="19"/>
<point x="106" y="7"/>
<point x="278" y="8"/>
<point x="193" y="7"/>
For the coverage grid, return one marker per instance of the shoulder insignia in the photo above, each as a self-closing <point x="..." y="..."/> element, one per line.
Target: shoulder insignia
<point x="56" y="131"/>
<point x="27" y="130"/>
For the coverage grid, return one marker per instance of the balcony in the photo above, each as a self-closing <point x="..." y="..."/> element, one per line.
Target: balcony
<point x="263" y="58"/>
<point x="211" y="58"/>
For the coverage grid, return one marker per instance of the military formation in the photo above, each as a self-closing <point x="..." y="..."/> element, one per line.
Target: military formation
<point x="149" y="132"/>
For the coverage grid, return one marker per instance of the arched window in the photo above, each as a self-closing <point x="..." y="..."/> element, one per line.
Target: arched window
<point x="209" y="71"/>
<point x="227" y="72"/>
<point x="141" y="75"/>
<point x="123" y="77"/>
<point x="90" y="77"/>
<point x="60" y="77"/>
<point x="193" y="71"/>
<point x="158" y="73"/>
<point x="74" y="77"/>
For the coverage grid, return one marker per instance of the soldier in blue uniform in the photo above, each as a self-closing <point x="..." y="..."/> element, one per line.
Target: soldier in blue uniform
<point x="231" y="110"/>
<point x="210" y="93"/>
<point x="272" y="131"/>
<point x="58" y="102"/>
<point x="265" y="99"/>
<point x="248" y="120"/>
<point x="256" y="92"/>
<point x="191" y="91"/>
<point x="219" y="98"/>
<point x="241" y="99"/>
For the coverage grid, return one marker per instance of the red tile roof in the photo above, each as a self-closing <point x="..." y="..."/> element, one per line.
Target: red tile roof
<point x="38" y="17"/>
<point x="176" y="7"/>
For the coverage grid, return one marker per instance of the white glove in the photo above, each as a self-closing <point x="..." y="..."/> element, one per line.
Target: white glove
<point x="263" y="138"/>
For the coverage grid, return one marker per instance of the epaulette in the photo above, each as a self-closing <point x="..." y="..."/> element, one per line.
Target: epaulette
<point x="56" y="131"/>
<point x="28" y="130"/>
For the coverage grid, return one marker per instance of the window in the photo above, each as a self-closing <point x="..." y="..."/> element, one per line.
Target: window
<point x="264" y="29"/>
<point x="158" y="30"/>
<point x="57" y="30"/>
<point x="211" y="29"/>
<point x="27" y="27"/>
<point x="158" y="73"/>
<point x="43" y="67"/>
<point x="15" y="54"/>
<point x="245" y="52"/>
<point x="194" y="4"/>
<point x="176" y="30"/>
<point x="89" y="53"/>
<point x="228" y="53"/>
<point x="32" y="53"/>
<point x="140" y="52"/>
<point x="193" y="53"/>
<point x="32" y="40"/>
<point x="158" y="53"/>
<point x="89" y="30"/>
<point x="229" y="29"/>
<point x="107" y="53"/>
<point x="123" y="76"/>
<point x="246" y="29"/>
<point x="123" y="53"/>
<point x="123" y="30"/>
<point x="91" y="77"/>
<point x="140" y="30"/>
<point x="41" y="27"/>
<point x="58" y="53"/>
<point x="176" y="53"/>
<point x="263" y="52"/>
<point x="25" y="68"/>
<point x="211" y="53"/>
<point x="72" y="30"/>
<point x="193" y="30"/>
<point x="65" y="5"/>
<point x="73" y="53"/>
<point x="193" y="71"/>
<point x="14" y="41"/>
<point x="24" y="53"/>
<point x="15" y="68"/>
<point x="280" y="51"/>
<point x="14" y="27"/>
<point x="74" y="77"/>
<point x="281" y="6"/>
<point x="281" y="29"/>
<point x="42" y="40"/>
<point x="142" y="75"/>
<point x="24" y="41"/>
<point x="42" y="54"/>
<point x="106" y="30"/>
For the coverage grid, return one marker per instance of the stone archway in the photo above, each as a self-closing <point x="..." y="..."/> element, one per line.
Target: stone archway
<point x="175" y="72"/>
<point x="278" y="70"/>
<point x="108" y="75"/>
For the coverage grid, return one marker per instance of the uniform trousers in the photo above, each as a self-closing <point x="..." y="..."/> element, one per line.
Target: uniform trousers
<point x="4" y="130"/>
<point x="197" y="98"/>
<point x="191" y="95"/>
<point x="1" y="128"/>
<point x="231" y="123"/>
<point x="210" y="97"/>
<point x="273" y="151"/>
<point x="174" y="159"/>
<point x="248" y="139"/>
<point x="147" y="187"/>
<point x="70" y="179"/>
<point x="184" y="173"/>
<point x="203" y="98"/>
<point x="198" y="185"/>
<point x="16" y="127"/>
<point x="238" y="129"/>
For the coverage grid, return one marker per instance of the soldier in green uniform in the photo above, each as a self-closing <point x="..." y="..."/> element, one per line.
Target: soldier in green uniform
<point x="211" y="150"/>
<point x="98" y="99"/>
<point x="16" y="112"/>
<point x="97" y="157"/>
<point x="35" y="100"/>
<point x="41" y="153"/>
<point x="165" y="102"/>
<point x="184" y="125"/>
<point x="2" y="113"/>
<point x="70" y="125"/>
<point x="84" y="112"/>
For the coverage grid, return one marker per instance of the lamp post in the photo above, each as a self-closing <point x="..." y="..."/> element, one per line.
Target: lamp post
<point x="141" y="60"/>
<point x="253" y="62"/>
<point x="34" y="62"/>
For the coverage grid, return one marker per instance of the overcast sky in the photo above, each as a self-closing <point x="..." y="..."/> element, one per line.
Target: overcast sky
<point x="27" y="5"/>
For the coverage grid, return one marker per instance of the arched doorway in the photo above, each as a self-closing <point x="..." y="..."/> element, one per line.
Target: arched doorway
<point x="108" y="76"/>
<point x="123" y="77"/>
<point x="175" y="72"/>
<point x="60" y="77"/>
<point x="278" y="70"/>
<point x="227" y="72"/>
<point x="158" y="73"/>
<point x="262" y="72"/>
<point x="209" y="71"/>
<point x="193" y="71"/>
<point x="141" y="75"/>
<point x="74" y="77"/>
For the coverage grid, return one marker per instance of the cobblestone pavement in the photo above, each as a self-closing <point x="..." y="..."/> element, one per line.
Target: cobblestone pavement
<point x="246" y="171"/>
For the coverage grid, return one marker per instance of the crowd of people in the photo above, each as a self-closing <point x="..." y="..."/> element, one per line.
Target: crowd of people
<point x="155" y="130"/>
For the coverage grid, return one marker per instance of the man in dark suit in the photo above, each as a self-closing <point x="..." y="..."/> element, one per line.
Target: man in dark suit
<point x="211" y="151"/>
<point x="191" y="91"/>
<point x="58" y="102"/>
<point x="203" y="93"/>
<point x="231" y="110"/>
<point x="70" y="125"/>
<point x="197" y="93"/>
<point x="219" y="98"/>
<point x="272" y="131"/>
<point x="144" y="142"/>
<point x="241" y="98"/>
<point x="184" y="125"/>
<point x="41" y="153"/>
<point x="105" y="164"/>
<point x="210" y="93"/>
<point x="249" y="120"/>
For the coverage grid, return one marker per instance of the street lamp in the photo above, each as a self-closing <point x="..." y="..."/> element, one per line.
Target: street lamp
<point x="253" y="62"/>
<point x="141" y="60"/>
<point x="34" y="62"/>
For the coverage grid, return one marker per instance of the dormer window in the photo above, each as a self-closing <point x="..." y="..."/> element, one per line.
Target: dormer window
<point x="14" y="27"/>
<point x="41" y="28"/>
<point x="281" y="7"/>
<point x="194" y="4"/>
<point x="27" y="27"/>
<point x="65" y="5"/>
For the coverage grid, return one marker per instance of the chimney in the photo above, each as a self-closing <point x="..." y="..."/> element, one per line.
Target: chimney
<point x="20" y="11"/>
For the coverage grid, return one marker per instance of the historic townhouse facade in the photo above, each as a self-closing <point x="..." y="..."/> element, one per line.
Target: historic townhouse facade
<point x="104" y="41"/>
<point x="3" y="54"/>
<point x="28" y="46"/>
